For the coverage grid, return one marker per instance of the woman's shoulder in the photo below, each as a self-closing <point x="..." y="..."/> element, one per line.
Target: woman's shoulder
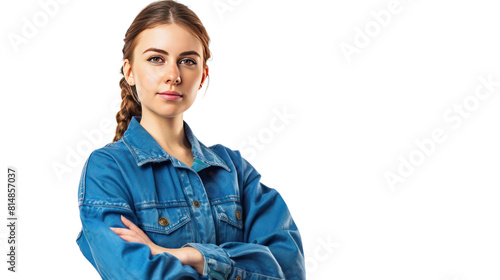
<point x="110" y="152"/>
<point x="225" y="152"/>
<point x="232" y="157"/>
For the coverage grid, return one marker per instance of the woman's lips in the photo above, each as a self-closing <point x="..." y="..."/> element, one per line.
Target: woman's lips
<point x="170" y="95"/>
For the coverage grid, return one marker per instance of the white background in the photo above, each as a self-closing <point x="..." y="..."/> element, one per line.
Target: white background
<point x="352" y="118"/>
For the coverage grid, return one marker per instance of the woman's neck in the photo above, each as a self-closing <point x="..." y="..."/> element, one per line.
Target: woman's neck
<point x="168" y="132"/>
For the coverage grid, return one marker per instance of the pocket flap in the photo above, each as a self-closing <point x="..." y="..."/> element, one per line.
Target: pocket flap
<point x="231" y="213"/>
<point x="162" y="220"/>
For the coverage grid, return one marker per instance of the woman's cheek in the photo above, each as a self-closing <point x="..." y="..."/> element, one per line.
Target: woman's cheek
<point x="154" y="77"/>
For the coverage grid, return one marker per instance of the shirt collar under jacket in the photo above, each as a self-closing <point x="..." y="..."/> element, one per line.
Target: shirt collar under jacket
<point x="145" y="149"/>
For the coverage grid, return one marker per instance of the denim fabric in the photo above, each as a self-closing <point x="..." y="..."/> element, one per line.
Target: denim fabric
<point x="218" y="206"/>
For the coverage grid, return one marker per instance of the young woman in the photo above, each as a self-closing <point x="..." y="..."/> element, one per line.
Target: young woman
<point x="156" y="203"/>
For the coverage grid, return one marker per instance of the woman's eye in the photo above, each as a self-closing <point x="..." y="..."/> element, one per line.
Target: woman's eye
<point x="188" y="61"/>
<point x="156" y="59"/>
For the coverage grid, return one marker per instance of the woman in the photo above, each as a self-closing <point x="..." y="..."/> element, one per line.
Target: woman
<point x="158" y="204"/>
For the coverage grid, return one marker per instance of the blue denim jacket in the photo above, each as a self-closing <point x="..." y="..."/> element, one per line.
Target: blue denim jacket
<point x="242" y="228"/>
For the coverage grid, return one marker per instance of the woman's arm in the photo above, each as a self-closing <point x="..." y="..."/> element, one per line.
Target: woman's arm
<point x="103" y="200"/>
<point x="187" y="255"/>
<point x="272" y="247"/>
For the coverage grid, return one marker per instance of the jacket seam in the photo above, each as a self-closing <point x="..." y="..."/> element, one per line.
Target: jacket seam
<point x="84" y="179"/>
<point x="166" y="204"/>
<point x="228" y="198"/>
<point x="106" y="206"/>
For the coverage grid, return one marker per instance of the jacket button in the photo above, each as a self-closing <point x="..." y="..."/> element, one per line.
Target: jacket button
<point x="238" y="277"/>
<point x="163" y="221"/>
<point x="238" y="215"/>
<point x="196" y="203"/>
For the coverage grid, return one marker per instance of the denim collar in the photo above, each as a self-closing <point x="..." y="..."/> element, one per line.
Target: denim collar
<point x="145" y="149"/>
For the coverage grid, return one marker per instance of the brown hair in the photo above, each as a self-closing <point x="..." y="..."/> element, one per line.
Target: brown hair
<point x="156" y="13"/>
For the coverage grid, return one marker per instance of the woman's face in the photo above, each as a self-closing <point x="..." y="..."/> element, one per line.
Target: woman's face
<point x="166" y="58"/>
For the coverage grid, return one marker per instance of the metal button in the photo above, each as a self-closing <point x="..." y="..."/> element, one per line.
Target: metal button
<point x="163" y="221"/>
<point x="238" y="215"/>
<point x="196" y="203"/>
<point x="238" y="277"/>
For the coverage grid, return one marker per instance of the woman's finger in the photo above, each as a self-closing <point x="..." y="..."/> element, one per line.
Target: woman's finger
<point x="138" y="236"/>
<point x="128" y="235"/>
<point x="135" y="228"/>
<point x="127" y="232"/>
<point x="120" y="230"/>
<point x="130" y="225"/>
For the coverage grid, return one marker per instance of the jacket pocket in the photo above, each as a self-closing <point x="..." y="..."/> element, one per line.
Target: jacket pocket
<point x="230" y="221"/>
<point x="166" y="225"/>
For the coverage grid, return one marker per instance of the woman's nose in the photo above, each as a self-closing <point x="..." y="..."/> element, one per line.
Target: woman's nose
<point x="173" y="74"/>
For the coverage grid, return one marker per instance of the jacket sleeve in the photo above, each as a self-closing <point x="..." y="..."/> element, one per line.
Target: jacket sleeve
<point x="272" y="247"/>
<point x="103" y="197"/>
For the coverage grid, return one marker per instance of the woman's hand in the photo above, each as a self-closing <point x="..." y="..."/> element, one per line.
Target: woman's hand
<point x="135" y="234"/>
<point x="187" y="255"/>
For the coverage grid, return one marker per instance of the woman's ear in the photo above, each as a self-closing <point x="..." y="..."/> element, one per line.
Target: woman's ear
<point x="127" y="72"/>
<point x="205" y="75"/>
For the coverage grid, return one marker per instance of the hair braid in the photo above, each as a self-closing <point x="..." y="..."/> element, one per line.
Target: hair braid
<point x="129" y="108"/>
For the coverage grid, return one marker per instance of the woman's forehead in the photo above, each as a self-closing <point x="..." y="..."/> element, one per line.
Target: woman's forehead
<point x="169" y="37"/>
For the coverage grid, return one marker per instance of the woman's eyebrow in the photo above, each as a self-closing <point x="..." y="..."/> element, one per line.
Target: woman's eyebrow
<point x="166" y="53"/>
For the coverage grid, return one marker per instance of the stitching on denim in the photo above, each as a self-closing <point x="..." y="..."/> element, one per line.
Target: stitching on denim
<point x="132" y="152"/>
<point x="156" y="204"/>
<point x="228" y="198"/>
<point x="223" y="216"/>
<point x="81" y="196"/>
<point x="185" y="218"/>
<point x="106" y="206"/>
<point x="218" y="159"/>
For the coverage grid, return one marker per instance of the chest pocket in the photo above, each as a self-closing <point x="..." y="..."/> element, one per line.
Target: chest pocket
<point x="229" y="221"/>
<point x="166" y="225"/>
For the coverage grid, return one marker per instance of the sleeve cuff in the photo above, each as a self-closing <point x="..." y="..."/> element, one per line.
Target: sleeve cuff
<point x="218" y="265"/>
